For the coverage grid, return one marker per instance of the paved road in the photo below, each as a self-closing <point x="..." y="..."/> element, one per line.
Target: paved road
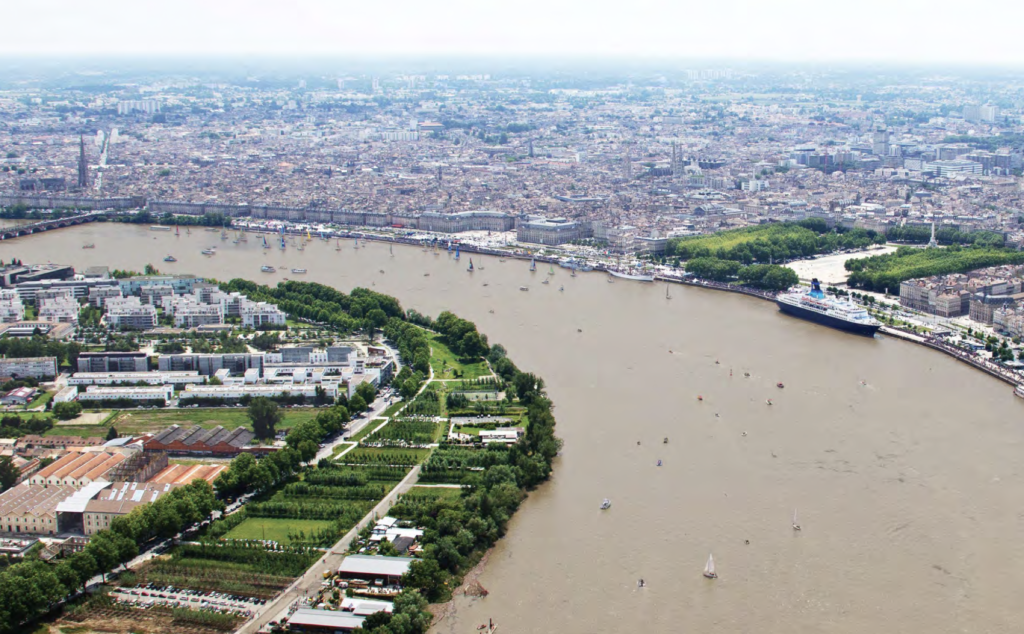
<point x="309" y="583"/>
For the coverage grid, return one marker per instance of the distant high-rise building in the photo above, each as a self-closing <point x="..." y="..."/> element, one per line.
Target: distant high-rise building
<point x="629" y="166"/>
<point x="376" y="84"/>
<point x="302" y="84"/>
<point x="880" y="142"/>
<point x="83" y="167"/>
<point x="531" y="148"/>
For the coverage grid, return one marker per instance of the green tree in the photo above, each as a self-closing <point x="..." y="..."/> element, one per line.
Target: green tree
<point x="265" y="415"/>
<point x="112" y="433"/>
<point x="9" y="473"/>
<point x="367" y="392"/>
<point x="357" y="403"/>
<point x="67" y="411"/>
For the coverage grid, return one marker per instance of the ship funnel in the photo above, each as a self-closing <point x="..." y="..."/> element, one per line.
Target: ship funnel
<point x="815" y="285"/>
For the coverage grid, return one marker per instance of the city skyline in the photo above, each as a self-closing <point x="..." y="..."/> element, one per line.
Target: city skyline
<point x="733" y="30"/>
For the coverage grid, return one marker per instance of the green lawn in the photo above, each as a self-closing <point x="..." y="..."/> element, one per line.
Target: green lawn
<point x="389" y="412"/>
<point x="445" y="364"/>
<point x="366" y="431"/>
<point x="129" y="422"/>
<point x="133" y="422"/>
<point x="273" y="528"/>
<point x="41" y="400"/>
<point x="436" y="492"/>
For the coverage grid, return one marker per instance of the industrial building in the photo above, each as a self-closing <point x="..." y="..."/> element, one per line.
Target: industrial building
<point x="177" y="440"/>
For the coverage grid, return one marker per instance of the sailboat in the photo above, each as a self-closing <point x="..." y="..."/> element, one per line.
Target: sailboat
<point x="709" y="568"/>
<point x="188" y="231"/>
<point x="456" y="253"/>
<point x="551" y="271"/>
<point x="470" y="269"/>
<point x="667" y="294"/>
<point x="533" y="264"/>
<point x="796" y="524"/>
<point x="337" y="245"/>
<point x="391" y="250"/>
<point x="573" y="274"/>
<point x="177" y="231"/>
<point x="265" y="245"/>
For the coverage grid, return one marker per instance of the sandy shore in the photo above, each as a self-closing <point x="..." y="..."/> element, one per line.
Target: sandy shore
<point x="469" y="586"/>
<point x="829" y="269"/>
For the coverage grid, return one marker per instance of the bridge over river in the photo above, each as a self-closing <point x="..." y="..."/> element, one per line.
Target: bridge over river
<point x="8" y="233"/>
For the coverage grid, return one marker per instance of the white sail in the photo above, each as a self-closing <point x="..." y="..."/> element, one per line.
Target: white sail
<point x="709" y="568"/>
<point x="796" y="524"/>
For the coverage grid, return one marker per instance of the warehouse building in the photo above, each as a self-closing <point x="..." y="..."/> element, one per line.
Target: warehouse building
<point x="218" y="441"/>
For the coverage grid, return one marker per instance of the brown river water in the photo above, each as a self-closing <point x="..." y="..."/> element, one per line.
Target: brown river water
<point x="905" y="466"/>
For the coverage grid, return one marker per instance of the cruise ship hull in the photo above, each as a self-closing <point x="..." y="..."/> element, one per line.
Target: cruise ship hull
<point x="828" y="320"/>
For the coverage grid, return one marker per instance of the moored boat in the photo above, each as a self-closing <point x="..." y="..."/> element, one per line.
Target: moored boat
<point x="170" y="258"/>
<point x="266" y="268"/>
<point x="837" y="313"/>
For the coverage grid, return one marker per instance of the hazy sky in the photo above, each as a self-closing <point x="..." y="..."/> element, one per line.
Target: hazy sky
<point x="935" y="31"/>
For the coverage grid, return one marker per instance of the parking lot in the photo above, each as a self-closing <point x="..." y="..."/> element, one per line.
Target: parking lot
<point x="150" y="595"/>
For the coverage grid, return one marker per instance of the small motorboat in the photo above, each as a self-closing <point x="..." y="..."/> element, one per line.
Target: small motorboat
<point x="523" y="288"/>
<point x="546" y="282"/>
<point x="208" y="252"/>
<point x="659" y="463"/>
<point x="769" y="401"/>
<point x="426" y="275"/>
<point x="700" y="398"/>
<point x="579" y="330"/>
<point x="746" y="375"/>
<point x="170" y="258"/>
<point x="665" y="442"/>
<point x="561" y="289"/>
<point x="779" y="385"/>
<point x="89" y="246"/>
<point x="607" y="504"/>
<point x="299" y="271"/>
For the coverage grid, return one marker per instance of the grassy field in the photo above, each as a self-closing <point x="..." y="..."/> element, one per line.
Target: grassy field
<point x="141" y="421"/>
<point x="445" y="364"/>
<point x="434" y="492"/>
<point x="274" y="528"/>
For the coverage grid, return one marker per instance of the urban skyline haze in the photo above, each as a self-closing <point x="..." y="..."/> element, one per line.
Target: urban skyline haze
<point x="908" y="32"/>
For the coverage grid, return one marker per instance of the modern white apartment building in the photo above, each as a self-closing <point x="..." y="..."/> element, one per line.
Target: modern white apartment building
<point x="11" y="308"/>
<point x="163" y="393"/>
<point x="37" y="367"/>
<point x="129" y="312"/>
<point x="149" y="378"/>
<point x="259" y="313"/>
<point x="234" y="392"/>
<point x="57" y="305"/>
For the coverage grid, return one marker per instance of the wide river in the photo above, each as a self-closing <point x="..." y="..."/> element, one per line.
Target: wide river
<point x="904" y="466"/>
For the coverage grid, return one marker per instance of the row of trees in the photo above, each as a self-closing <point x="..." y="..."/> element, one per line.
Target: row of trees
<point x="30" y="589"/>
<point x="883" y="273"/>
<point x="770" y="277"/>
<point x="246" y="475"/>
<point x="461" y="336"/>
<point x="945" y="236"/>
<point x="306" y="436"/>
<point x="773" y="242"/>
<point x="454" y="529"/>
<point x="40" y="346"/>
